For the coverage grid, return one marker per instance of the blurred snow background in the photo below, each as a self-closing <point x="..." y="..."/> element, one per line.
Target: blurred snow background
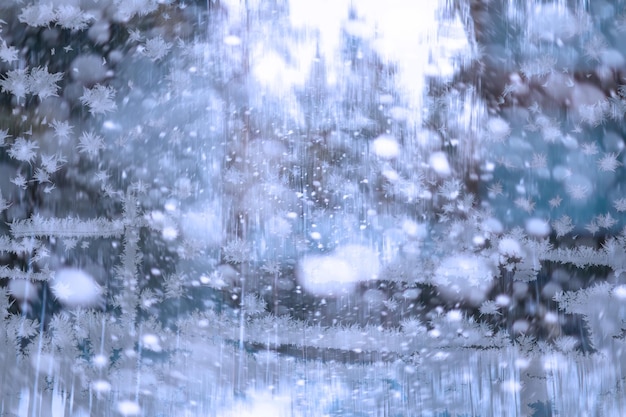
<point x="312" y="208"/>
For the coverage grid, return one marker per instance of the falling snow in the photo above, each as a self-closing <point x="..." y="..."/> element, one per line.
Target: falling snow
<point x="323" y="208"/>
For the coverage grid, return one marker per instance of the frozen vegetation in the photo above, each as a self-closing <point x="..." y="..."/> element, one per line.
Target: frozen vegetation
<point x="312" y="208"/>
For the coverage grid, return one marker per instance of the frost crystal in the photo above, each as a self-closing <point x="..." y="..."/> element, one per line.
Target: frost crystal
<point x="71" y="17"/>
<point x="37" y="15"/>
<point x="490" y="308"/>
<point x="90" y="143"/>
<point x="23" y="150"/>
<point x="4" y="204"/>
<point x="62" y="129"/>
<point x="577" y="191"/>
<point x="8" y="54"/>
<point x="563" y="225"/>
<point x="620" y="204"/>
<point x="99" y="99"/>
<point x="526" y="204"/>
<point x="38" y="82"/>
<point x="44" y="84"/>
<point x="609" y="162"/>
<point x="16" y="82"/>
<point x="156" y="48"/>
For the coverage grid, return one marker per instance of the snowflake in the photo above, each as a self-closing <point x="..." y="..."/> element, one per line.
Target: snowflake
<point x="16" y="82"/>
<point x="236" y="252"/>
<point x="450" y="189"/>
<point x="62" y="130"/>
<point x="43" y="84"/>
<point x="577" y="191"/>
<point x="41" y="253"/>
<point x="449" y="208"/>
<point x="71" y="17"/>
<point x="593" y="114"/>
<point x="620" y="204"/>
<point x="51" y="163"/>
<point x="253" y="304"/>
<point x="577" y="128"/>
<point x="495" y="189"/>
<point x="189" y="248"/>
<point x="550" y="133"/>
<point x="566" y="344"/>
<point x="506" y="163"/>
<point x="589" y="148"/>
<point x="605" y="221"/>
<point x="592" y="227"/>
<point x="215" y="280"/>
<point x="391" y="304"/>
<point x="555" y="201"/>
<point x="4" y="204"/>
<point x="525" y="204"/>
<point x="109" y="191"/>
<point x="69" y="243"/>
<point x="134" y="35"/>
<point x="490" y="307"/>
<point x="99" y="99"/>
<point x="8" y="54"/>
<point x="609" y="162"/>
<point x="41" y="176"/>
<point x="126" y="9"/>
<point x="90" y="143"/>
<point x="37" y="15"/>
<point x="20" y="181"/>
<point x="62" y="291"/>
<point x="272" y="268"/>
<point x="138" y="187"/>
<point x="26" y="329"/>
<point x="534" y="108"/>
<point x="562" y="226"/>
<point x="595" y="48"/>
<point x="539" y="161"/>
<point x="39" y="82"/>
<point x="101" y="176"/>
<point x="4" y="134"/>
<point x="466" y="203"/>
<point x="156" y="48"/>
<point x="23" y="150"/>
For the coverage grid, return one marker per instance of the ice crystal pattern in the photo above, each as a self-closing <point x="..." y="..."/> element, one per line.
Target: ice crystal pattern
<point x="248" y="207"/>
